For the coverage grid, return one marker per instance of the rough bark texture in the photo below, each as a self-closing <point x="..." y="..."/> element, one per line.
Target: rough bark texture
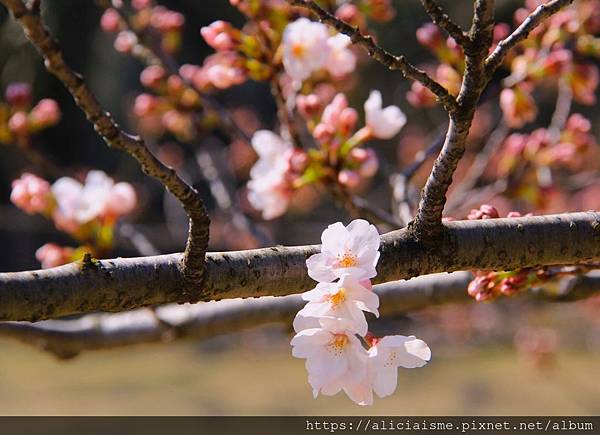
<point x="121" y="284"/>
<point x="68" y="338"/>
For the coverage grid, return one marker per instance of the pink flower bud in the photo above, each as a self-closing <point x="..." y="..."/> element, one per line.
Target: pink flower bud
<point x="152" y="76"/>
<point x="31" y="194"/>
<point x="350" y="13"/>
<point x="18" y="124"/>
<point x="349" y="178"/>
<point x="110" y="21"/>
<point x="175" y="85"/>
<point x="347" y="120"/>
<point x="298" y="160"/>
<point x="324" y="133"/>
<point x="166" y="20"/>
<point x="145" y="104"/>
<point x="125" y="41"/>
<point x="18" y="95"/>
<point x="308" y="105"/>
<point x="45" y="114"/>
<point x="219" y="35"/>
<point x="52" y="255"/>
<point x="224" y="77"/>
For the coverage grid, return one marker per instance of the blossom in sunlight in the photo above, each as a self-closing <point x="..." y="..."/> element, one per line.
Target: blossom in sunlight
<point x="270" y="194"/>
<point x="269" y="188"/>
<point x="305" y="48"/>
<point x="347" y="250"/>
<point x="518" y="106"/>
<point x="31" y="194"/>
<point x="387" y="354"/>
<point x="340" y="60"/>
<point x="384" y="123"/>
<point x="339" y="305"/>
<point x="52" y="255"/>
<point x="335" y="360"/>
<point x="99" y="197"/>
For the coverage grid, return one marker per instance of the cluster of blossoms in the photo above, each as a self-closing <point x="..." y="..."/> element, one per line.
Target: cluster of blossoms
<point x="272" y="38"/>
<point x="88" y="212"/>
<point x="172" y="107"/>
<point x="556" y="51"/>
<point x="19" y="119"/>
<point x="488" y="285"/>
<point x="561" y="50"/>
<point x="339" y="157"/>
<point x="147" y="19"/>
<point x="529" y="158"/>
<point x="332" y="331"/>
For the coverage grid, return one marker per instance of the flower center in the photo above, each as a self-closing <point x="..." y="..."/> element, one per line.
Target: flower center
<point x="347" y="260"/>
<point x="338" y="343"/>
<point x="337" y="298"/>
<point x="298" y="50"/>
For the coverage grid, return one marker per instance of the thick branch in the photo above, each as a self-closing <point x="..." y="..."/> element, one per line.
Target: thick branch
<point x="36" y="32"/>
<point x="389" y="60"/>
<point x="541" y="13"/>
<point x="444" y="22"/>
<point x="427" y="222"/>
<point x="122" y="284"/>
<point x="68" y="338"/>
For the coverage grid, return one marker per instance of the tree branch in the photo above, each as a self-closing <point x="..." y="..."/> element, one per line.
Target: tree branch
<point x="521" y="33"/>
<point x="389" y="60"/>
<point x="193" y="258"/>
<point x="427" y="222"/>
<point x="68" y="338"/>
<point x="444" y="22"/>
<point x="122" y="284"/>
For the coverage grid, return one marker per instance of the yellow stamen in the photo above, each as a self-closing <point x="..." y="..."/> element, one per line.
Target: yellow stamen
<point x="298" y="50"/>
<point x="338" y="298"/>
<point x="339" y="342"/>
<point x="347" y="260"/>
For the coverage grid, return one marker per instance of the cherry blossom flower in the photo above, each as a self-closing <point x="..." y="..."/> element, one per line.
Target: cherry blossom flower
<point x="384" y="123"/>
<point x="78" y="204"/>
<point x="341" y="60"/>
<point x="270" y="194"/>
<point x="268" y="189"/>
<point x="391" y="352"/>
<point x="31" y="194"/>
<point x="339" y="306"/>
<point x="335" y="360"/>
<point x="305" y="48"/>
<point x="346" y="250"/>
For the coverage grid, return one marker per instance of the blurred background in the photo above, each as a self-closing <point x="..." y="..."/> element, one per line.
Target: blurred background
<point x="511" y="357"/>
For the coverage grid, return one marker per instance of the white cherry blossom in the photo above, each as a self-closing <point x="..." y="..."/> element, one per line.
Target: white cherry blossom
<point x="384" y="123"/>
<point x="338" y="306"/>
<point x="391" y="352"/>
<point x="78" y="204"/>
<point x="335" y="360"/>
<point x="346" y="250"/>
<point x="268" y="189"/>
<point x="341" y="60"/>
<point x="305" y="48"/>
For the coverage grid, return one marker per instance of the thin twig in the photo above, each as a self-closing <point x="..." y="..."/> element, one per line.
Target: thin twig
<point x="444" y="22"/>
<point x="193" y="260"/>
<point x="378" y="53"/>
<point x="541" y="13"/>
